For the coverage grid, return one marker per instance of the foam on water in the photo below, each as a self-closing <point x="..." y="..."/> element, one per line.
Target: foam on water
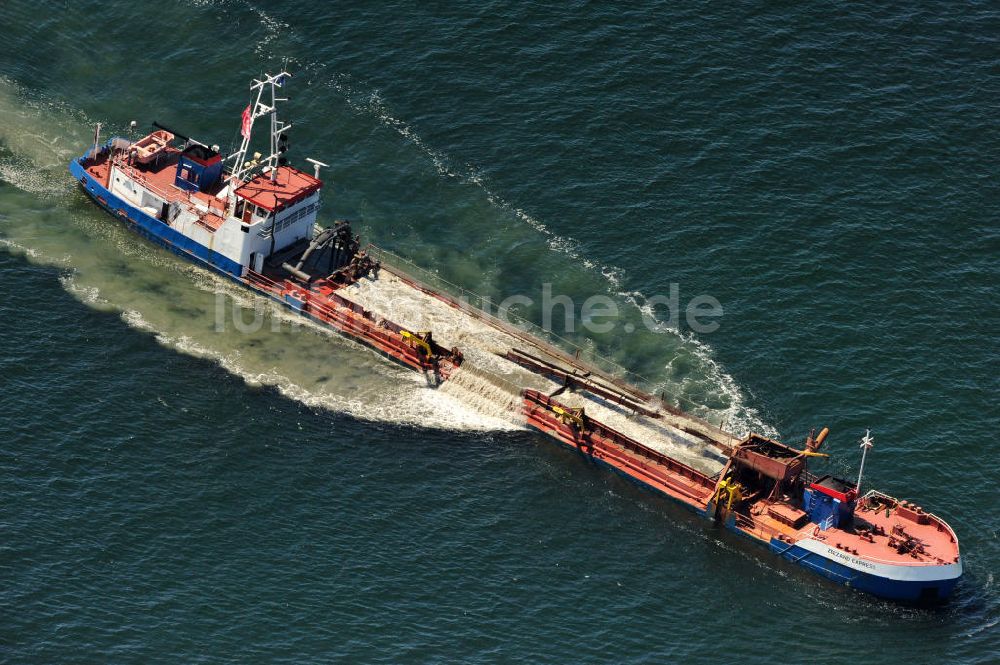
<point x="42" y="136"/>
<point x="841" y="214"/>
<point x="738" y="416"/>
<point x="489" y="397"/>
<point x="492" y="383"/>
<point x="21" y="250"/>
<point x="371" y="103"/>
<point x="89" y="295"/>
<point x="412" y="402"/>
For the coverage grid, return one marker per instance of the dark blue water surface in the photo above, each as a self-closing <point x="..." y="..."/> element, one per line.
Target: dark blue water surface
<point x="827" y="172"/>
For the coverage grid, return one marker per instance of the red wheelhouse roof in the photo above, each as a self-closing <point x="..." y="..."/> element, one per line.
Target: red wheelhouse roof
<point x="289" y="186"/>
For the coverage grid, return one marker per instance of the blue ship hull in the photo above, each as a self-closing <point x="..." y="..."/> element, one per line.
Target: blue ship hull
<point x="162" y="234"/>
<point x="882" y="587"/>
<point x="902" y="590"/>
<point x="153" y="229"/>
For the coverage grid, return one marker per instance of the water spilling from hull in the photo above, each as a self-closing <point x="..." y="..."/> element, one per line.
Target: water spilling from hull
<point x="44" y="217"/>
<point x="482" y="391"/>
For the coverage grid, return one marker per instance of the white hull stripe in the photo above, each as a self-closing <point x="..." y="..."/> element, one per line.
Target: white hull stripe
<point x="902" y="573"/>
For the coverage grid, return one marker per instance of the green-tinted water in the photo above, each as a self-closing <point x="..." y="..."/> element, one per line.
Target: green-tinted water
<point x="178" y="493"/>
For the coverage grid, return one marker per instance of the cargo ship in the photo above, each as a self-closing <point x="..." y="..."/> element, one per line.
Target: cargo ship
<point x="253" y="219"/>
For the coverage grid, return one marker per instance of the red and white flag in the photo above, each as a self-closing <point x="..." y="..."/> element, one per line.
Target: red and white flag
<point x="247" y="122"/>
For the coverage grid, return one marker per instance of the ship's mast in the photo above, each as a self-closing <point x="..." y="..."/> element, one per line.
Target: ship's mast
<point x="866" y="443"/>
<point x="264" y="104"/>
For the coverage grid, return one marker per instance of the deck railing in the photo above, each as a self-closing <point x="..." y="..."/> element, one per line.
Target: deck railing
<point x="629" y="444"/>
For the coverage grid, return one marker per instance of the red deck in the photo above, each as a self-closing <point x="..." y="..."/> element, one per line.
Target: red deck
<point x="876" y="535"/>
<point x="881" y="524"/>
<point x="321" y="302"/>
<point x="289" y="186"/>
<point x="664" y="473"/>
<point x="880" y="530"/>
<point x="159" y="179"/>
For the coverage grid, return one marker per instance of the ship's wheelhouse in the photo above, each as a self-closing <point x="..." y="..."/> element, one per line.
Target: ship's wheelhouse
<point x="276" y="210"/>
